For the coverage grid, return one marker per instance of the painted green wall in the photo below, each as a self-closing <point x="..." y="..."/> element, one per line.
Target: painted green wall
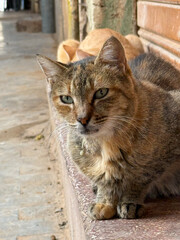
<point x="115" y="14"/>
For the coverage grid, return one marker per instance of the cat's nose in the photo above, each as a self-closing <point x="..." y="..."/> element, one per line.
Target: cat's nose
<point x="83" y="120"/>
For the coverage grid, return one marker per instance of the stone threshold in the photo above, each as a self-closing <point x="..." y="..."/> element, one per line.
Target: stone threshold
<point x="161" y="220"/>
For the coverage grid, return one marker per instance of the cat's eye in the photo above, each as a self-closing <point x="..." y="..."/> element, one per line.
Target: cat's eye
<point x="66" y="99"/>
<point x="102" y="92"/>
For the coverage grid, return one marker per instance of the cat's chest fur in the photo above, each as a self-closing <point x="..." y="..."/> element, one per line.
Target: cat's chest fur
<point x="96" y="158"/>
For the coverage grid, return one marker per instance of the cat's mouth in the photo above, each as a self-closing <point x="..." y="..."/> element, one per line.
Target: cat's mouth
<point x="87" y="131"/>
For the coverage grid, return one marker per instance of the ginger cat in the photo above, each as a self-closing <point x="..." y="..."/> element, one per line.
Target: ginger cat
<point x="123" y="126"/>
<point x="72" y="50"/>
<point x="67" y="50"/>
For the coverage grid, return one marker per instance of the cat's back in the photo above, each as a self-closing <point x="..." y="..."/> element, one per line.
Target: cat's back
<point x="160" y="86"/>
<point x="148" y="67"/>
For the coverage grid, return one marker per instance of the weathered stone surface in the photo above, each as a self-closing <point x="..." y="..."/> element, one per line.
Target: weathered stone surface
<point x="43" y="237"/>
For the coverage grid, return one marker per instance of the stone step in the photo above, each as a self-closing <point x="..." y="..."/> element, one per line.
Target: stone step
<point x="29" y="24"/>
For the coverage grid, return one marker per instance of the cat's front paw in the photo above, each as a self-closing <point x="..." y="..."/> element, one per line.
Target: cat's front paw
<point x="101" y="211"/>
<point x="129" y="210"/>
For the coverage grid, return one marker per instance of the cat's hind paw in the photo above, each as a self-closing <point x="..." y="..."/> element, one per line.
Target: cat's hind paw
<point x="101" y="211"/>
<point x="129" y="210"/>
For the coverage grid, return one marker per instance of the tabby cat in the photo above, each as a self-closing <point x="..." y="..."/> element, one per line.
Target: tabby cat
<point x="124" y="126"/>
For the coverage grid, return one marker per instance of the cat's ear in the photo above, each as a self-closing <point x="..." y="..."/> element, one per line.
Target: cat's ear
<point x="70" y="51"/>
<point x="80" y="54"/>
<point x="112" y="53"/>
<point x="66" y="50"/>
<point x="51" y="68"/>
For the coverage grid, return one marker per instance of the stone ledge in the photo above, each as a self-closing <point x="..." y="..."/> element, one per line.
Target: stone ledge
<point x="161" y="221"/>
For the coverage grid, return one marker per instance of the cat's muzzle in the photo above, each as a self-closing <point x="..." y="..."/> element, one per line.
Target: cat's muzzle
<point x="86" y="129"/>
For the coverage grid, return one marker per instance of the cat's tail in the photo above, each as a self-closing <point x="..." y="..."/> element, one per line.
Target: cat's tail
<point x="66" y="50"/>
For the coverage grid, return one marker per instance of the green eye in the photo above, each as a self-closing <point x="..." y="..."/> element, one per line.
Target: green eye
<point x="66" y="99"/>
<point x="102" y="92"/>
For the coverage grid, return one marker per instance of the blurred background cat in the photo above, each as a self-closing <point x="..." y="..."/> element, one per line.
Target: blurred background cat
<point x="71" y="50"/>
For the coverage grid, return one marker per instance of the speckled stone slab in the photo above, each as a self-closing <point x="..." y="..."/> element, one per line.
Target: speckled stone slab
<point x="160" y="222"/>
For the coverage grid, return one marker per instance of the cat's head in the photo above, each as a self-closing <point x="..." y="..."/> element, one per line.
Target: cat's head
<point x="94" y="94"/>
